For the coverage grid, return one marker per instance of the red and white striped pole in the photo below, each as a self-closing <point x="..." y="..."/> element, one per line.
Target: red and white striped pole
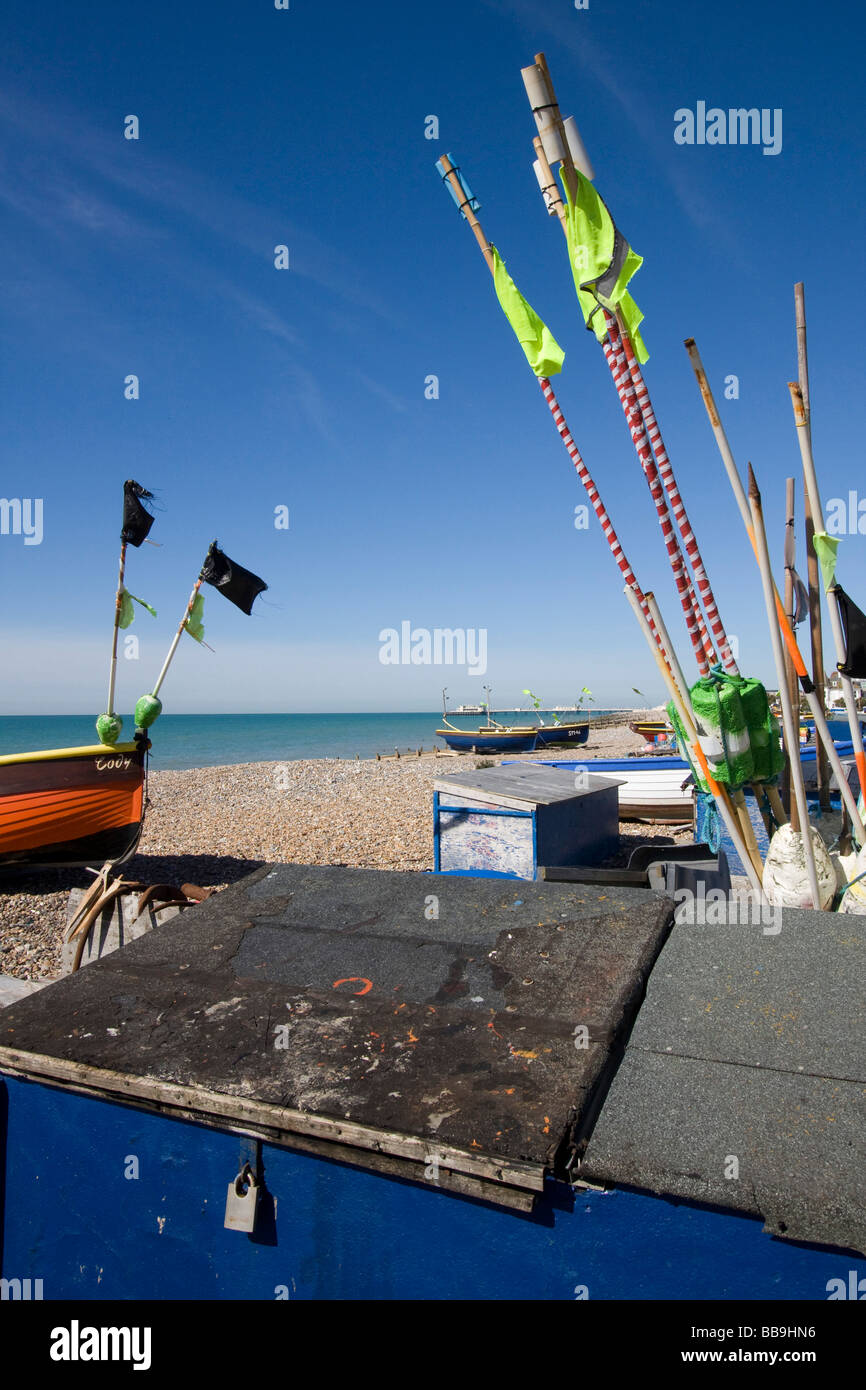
<point x="598" y="506"/>
<point x="619" y="335"/>
<point x="701" y="644"/>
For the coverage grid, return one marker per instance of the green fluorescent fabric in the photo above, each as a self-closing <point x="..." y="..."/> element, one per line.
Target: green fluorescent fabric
<point x="825" y="548"/>
<point x="602" y="263"/>
<point x="543" y="352"/>
<point x="194" y="623"/>
<point x="127" y="612"/>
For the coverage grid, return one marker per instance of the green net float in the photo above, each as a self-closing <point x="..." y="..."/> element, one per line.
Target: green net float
<point x="108" y="727"/>
<point x="147" y="710"/>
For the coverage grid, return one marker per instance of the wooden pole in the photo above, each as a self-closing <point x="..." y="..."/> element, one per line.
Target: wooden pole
<point x="805" y="443"/>
<point x="815" y="622"/>
<point x="792" y="738"/>
<point x="790" y="674"/>
<point x="815" y="705"/>
<point x="551" y="183"/>
<point x="451" y="175"/>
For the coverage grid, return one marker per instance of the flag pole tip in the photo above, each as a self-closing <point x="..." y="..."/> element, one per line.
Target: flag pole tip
<point x="689" y="343"/>
<point x="753" y="485"/>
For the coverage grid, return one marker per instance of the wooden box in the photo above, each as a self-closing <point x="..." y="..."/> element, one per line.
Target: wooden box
<point x="510" y="820"/>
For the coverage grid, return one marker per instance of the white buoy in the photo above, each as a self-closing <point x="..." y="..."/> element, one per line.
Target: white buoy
<point x="579" y="156"/>
<point x="542" y="101"/>
<point x="854" y="898"/>
<point x="786" y="879"/>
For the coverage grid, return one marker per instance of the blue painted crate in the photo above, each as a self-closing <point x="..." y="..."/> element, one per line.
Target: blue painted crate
<point x="509" y="821"/>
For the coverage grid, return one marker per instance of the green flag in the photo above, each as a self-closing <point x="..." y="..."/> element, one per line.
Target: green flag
<point x="602" y="263"/>
<point x="194" y="623"/>
<point x="127" y="612"/>
<point x="825" y="548"/>
<point x="543" y="352"/>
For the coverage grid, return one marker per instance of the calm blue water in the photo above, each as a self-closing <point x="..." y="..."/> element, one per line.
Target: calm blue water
<point x="214" y="740"/>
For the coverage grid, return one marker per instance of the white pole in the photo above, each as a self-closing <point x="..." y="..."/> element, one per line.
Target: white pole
<point x="791" y="736"/>
<point x="805" y="442"/>
<point x="815" y="705"/>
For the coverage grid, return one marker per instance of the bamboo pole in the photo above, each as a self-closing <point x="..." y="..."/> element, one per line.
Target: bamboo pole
<point x="815" y="625"/>
<point x="466" y="209"/>
<point x="806" y="684"/>
<point x="792" y="738"/>
<point x="790" y="674"/>
<point x="805" y="442"/>
<point x="719" y="793"/>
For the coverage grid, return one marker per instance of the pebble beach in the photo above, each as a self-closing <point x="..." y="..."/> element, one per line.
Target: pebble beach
<point x="211" y="826"/>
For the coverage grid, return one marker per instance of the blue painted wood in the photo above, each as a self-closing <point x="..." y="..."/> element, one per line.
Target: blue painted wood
<point x="74" y="1220"/>
<point x="492" y="839"/>
<point x="569" y="824"/>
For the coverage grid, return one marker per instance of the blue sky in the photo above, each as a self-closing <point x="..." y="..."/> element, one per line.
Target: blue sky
<point x="305" y="387"/>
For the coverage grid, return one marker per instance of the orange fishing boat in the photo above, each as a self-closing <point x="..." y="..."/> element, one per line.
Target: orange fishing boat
<point x="651" y="729"/>
<point x="70" y="807"/>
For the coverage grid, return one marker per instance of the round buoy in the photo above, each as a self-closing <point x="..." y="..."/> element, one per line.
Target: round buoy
<point x="147" y="710"/>
<point x="785" y="880"/>
<point x="108" y="727"/>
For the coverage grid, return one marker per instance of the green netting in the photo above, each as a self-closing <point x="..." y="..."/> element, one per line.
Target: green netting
<point x="685" y="747"/>
<point x="148" y="708"/>
<point x="763" y="730"/>
<point x="737" y="732"/>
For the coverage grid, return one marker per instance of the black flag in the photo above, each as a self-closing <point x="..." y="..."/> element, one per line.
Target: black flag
<point x="854" y="627"/>
<point x="241" y="586"/>
<point x="136" y="520"/>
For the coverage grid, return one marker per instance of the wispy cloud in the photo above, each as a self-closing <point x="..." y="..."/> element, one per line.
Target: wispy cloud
<point x="66" y="176"/>
<point x="397" y="405"/>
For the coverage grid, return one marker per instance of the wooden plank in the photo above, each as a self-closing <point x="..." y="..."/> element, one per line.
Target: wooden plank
<point x="195" y="1102"/>
<point x="507" y="786"/>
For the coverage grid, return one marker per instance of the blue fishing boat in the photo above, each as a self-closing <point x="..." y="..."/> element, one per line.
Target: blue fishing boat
<point x="489" y="740"/>
<point x="549" y="735"/>
<point x="491" y="737"/>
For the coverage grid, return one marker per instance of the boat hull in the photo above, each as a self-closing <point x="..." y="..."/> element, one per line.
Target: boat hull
<point x="71" y="807"/>
<point x="572" y="734"/>
<point x="480" y="741"/>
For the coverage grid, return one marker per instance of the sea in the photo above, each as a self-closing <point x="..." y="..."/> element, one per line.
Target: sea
<point x="215" y="740"/>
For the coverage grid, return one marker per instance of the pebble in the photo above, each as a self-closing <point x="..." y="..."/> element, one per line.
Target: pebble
<point x="212" y="826"/>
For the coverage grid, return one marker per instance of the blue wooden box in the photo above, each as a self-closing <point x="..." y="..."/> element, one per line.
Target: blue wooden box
<point x="509" y="821"/>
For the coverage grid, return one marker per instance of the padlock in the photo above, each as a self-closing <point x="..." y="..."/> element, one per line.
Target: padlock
<point x="242" y="1202"/>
